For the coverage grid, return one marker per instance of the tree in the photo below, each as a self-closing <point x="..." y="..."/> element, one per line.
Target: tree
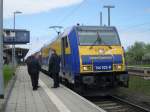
<point x="135" y="53"/>
<point x="146" y="57"/>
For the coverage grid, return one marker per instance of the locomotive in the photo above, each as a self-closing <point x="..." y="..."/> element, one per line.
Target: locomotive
<point x="91" y="57"/>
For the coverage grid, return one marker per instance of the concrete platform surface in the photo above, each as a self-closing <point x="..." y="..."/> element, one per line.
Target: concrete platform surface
<point x="45" y="99"/>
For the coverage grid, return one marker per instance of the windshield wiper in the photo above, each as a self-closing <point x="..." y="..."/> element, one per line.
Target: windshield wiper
<point x="99" y="40"/>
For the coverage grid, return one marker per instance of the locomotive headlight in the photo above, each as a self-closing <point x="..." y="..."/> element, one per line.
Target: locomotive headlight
<point x="87" y="68"/>
<point x="118" y="67"/>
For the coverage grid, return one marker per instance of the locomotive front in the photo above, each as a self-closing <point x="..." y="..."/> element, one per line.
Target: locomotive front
<point x="102" y="59"/>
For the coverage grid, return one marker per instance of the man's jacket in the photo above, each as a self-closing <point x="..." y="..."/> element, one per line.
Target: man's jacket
<point x="54" y="64"/>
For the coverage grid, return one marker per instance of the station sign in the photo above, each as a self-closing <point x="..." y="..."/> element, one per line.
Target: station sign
<point x="17" y="36"/>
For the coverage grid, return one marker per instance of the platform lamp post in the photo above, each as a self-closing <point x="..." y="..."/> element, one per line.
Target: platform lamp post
<point x="1" y="51"/>
<point x="13" y="46"/>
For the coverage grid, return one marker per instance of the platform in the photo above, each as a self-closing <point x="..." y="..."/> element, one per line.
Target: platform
<point x="45" y="99"/>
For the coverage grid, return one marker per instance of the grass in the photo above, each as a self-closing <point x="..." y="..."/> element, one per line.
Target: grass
<point x="8" y="73"/>
<point x="138" y="91"/>
<point x="139" y="84"/>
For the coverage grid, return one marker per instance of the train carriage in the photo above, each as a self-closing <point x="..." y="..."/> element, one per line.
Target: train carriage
<point x="91" y="56"/>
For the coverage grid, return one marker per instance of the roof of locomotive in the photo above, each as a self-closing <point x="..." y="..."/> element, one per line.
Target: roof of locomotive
<point x="95" y="28"/>
<point x="87" y="28"/>
<point x="81" y="28"/>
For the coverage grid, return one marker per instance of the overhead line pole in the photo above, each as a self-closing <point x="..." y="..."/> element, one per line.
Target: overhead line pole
<point x="109" y="7"/>
<point x="101" y="19"/>
<point x="1" y="51"/>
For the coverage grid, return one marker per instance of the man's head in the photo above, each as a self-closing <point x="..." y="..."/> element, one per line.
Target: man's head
<point x="53" y="51"/>
<point x="36" y="56"/>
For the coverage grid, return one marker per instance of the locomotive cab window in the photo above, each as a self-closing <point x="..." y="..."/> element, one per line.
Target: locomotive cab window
<point x="98" y="37"/>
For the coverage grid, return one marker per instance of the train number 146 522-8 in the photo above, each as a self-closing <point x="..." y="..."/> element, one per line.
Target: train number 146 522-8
<point x="103" y="67"/>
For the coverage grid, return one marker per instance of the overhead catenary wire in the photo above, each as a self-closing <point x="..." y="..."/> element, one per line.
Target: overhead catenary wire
<point x="74" y="10"/>
<point x="71" y="12"/>
<point x="66" y="17"/>
<point x="134" y="26"/>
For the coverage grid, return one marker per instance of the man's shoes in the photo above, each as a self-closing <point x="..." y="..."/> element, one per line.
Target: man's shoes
<point x="35" y="88"/>
<point x="53" y="87"/>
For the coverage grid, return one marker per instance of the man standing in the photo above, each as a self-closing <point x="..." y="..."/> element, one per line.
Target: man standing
<point x="54" y="67"/>
<point x="34" y="67"/>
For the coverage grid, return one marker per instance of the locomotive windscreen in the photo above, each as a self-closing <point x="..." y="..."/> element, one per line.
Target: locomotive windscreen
<point x="101" y="36"/>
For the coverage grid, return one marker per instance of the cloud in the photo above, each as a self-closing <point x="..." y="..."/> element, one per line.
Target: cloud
<point x="34" y="6"/>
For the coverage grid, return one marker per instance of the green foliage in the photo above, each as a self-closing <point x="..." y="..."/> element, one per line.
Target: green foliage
<point x="146" y="56"/>
<point x="138" y="84"/>
<point x="139" y="53"/>
<point x="7" y="71"/>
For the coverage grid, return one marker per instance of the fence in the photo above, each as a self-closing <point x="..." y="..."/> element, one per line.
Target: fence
<point x="139" y="71"/>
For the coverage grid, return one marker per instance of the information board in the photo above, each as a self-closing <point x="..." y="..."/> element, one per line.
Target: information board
<point x="17" y="36"/>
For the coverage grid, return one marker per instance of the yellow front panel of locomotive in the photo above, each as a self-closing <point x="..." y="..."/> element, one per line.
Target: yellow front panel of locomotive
<point x="101" y="50"/>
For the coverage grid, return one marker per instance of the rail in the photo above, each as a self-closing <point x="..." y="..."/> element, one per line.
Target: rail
<point x="132" y="104"/>
<point x="116" y="104"/>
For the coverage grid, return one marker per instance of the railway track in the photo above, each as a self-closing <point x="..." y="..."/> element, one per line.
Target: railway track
<point x="115" y="104"/>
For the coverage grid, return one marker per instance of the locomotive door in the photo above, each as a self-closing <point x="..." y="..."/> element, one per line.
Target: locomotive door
<point x="63" y="53"/>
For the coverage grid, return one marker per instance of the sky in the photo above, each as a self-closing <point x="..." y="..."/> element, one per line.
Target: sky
<point x="130" y="17"/>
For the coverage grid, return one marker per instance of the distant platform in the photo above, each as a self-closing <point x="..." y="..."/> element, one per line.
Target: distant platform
<point x="20" y="52"/>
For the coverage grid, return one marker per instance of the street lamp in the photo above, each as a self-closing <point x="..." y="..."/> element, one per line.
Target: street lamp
<point x="16" y="12"/>
<point x="13" y="46"/>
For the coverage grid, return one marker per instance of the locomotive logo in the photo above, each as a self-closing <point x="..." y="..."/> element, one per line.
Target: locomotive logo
<point x="101" y="51"/>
